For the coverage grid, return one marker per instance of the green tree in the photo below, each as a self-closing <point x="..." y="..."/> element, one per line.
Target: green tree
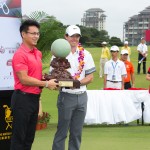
<point x="91" y="36"/>
<point x="115" y="41"/>
<point x="51" y="29"/>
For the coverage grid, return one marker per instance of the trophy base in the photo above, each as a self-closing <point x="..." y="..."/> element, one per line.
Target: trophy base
<point x="69" y="83"/>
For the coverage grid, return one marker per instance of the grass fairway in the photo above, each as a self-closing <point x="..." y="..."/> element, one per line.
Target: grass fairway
<point x="102" y="137"/>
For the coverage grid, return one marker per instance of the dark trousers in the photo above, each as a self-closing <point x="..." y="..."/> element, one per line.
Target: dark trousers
<point x="71" y="114"/>
<point x="25" y="113"/>
<point x="127" y="85"/>
<point x="139" y="65"/>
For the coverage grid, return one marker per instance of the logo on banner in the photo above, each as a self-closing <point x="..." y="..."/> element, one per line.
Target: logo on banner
<point x="8" y="116"/>
<point x="4" y="7"/>
<point x="9" y="62"/>
<point x="2" y="50"/>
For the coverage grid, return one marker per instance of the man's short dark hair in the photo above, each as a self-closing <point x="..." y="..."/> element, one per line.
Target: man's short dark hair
<point x="27" y="23"/>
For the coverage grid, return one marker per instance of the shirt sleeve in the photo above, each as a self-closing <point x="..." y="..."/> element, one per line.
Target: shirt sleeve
<point x="132" y="69"/>
<point x="19" y="62"/>
<point x="106" y="68"/>
<point x="108" y="52"/>
<point x="139" y="48"/>
<point x="124" y="72"/>
<point x="89" y="64"/>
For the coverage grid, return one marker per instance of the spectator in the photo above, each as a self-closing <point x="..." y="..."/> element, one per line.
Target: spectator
<point x="114" y="71"/>
<point x="130" y="70"/>
<point x="127" y="48"/>
<point x="105" y="54"/>
<point x="142" y="50"/>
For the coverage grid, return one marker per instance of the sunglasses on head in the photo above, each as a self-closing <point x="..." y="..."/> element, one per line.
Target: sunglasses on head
<point x="113" y="51"/>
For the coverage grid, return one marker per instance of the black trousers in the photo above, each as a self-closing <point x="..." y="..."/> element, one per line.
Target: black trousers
<point x="25" y="109"/>
<point x="127" y="85"/>
<point x="139" y="65"/>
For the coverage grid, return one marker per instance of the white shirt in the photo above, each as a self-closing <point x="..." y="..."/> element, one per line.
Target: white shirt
<point x="115" y="68"/>
<point x="88" y="68"/>
<point x="142" y="48"/>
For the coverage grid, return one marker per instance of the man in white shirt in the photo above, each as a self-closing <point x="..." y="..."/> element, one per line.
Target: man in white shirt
<point x="142" y="50"/>
<point x="114" y="71"/>
<point x="72" y="103"/>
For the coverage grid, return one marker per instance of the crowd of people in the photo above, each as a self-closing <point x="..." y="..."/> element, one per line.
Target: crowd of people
<point x="118" y="70"/>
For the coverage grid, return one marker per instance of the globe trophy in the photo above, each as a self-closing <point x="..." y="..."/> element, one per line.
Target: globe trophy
<point x="60" y="48"/>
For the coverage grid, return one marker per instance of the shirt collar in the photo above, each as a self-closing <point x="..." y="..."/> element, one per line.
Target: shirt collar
<point x="115" y="61"/>
<point x="28" y="50"/>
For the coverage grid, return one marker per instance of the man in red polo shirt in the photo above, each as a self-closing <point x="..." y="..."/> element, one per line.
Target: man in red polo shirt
<point x="27" y="69"/>
<point x="130" y="70"/>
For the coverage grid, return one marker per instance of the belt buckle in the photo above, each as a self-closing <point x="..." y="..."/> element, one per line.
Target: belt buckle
<point x="77" y="93"/>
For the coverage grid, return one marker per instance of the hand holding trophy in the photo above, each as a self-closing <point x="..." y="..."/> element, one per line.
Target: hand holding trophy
<point x="60" y="48"/>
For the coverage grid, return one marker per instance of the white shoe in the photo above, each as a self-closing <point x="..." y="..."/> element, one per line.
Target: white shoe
<point x="100" y="76"/>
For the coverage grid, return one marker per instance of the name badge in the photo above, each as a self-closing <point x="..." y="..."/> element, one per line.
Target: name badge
<point x="113" y="77"/>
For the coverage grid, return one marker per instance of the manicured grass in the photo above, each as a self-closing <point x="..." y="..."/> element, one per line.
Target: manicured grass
<point x="102" y="137"/>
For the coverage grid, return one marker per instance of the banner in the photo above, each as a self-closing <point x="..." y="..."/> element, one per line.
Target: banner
<point x="5" y="120"/>
<point x="147" y="35"/>
<point x="10" y="19"/>
<point x="10" y="13"/>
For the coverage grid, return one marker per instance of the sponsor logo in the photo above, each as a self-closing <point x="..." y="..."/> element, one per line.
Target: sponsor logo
<point x="4" y="7"/>
<point x="9" y="62"/>
<point x="2" y="50"/>
<point x="8" y="117"/>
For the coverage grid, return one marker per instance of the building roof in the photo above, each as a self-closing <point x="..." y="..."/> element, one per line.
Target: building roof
<point x="146" y="10"/>
<point x="94" y="9"/>
<point x="103" y="15"/>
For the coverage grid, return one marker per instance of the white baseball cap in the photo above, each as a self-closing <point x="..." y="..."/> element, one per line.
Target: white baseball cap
<point x="124" y="51"/>
<point x="73" y="29"/>
<point x="114" y="48"/>
<point x="126" y="42"/>
<point x="104" y="43"/>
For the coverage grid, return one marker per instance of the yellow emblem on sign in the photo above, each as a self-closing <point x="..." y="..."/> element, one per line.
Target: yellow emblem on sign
<point x="8" y="116"/>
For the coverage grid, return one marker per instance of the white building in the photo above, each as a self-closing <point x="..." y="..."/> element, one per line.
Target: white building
<point x="136" y="26"/>
<point x="95" y="18"/>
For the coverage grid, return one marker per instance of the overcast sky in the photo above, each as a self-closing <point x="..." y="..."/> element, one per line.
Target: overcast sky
<point x="71" y="11"/>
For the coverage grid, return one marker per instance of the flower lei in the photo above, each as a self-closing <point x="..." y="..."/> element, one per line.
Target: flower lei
<point x="81" y="62"/>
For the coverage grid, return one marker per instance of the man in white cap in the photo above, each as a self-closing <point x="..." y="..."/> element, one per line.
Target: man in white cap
<point x="114" y="71"/>
<point x="130" y="70"/>
<point x="126" y="46"/>
<point x="105" y="55"/>
<point x="142" y="50"/>
<point x="72" y="103"/>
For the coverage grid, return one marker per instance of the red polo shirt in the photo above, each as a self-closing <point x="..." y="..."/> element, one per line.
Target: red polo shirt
<point x="25" y="59"/>
<point x="148" y="70"/>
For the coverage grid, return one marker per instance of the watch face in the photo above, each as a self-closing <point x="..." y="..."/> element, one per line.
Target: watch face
<point x="9" y="62"/>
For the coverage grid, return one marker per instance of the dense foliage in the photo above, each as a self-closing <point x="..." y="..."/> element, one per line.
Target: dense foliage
<point x="52" y="29"/>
